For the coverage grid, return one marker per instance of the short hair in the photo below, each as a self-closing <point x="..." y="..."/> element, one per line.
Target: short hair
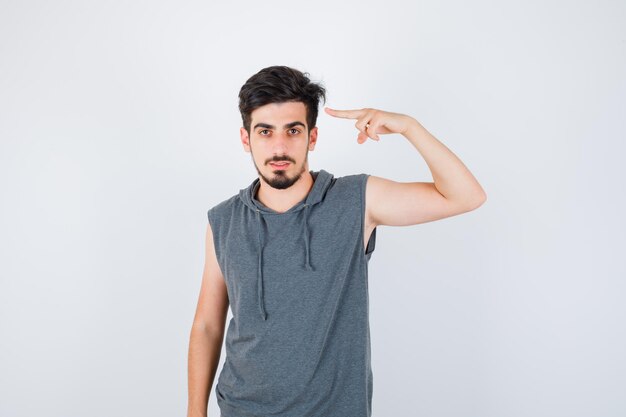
<point x="279" y="84"/>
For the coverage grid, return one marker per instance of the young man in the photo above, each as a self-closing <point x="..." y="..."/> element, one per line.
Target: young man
<point x="289" y="254"/>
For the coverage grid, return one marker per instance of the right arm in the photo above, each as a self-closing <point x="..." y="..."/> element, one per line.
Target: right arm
<point x="207" y="332"/>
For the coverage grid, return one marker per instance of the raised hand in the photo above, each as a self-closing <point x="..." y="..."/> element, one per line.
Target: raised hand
<point x="372" y="122"/>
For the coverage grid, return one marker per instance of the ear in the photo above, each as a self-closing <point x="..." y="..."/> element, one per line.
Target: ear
<point x="313" y="138"/>
<point x="245" y="139"/>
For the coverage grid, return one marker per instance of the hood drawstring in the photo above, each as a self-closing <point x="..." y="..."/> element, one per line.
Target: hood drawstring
<point x="307" y="249"/>
<point x="307" y="254"/>
<point x="323" y="180"/>
<point x="260" y="271"/>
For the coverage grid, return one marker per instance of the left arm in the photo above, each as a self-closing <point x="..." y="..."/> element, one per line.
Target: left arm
<point x="454" y="190"/>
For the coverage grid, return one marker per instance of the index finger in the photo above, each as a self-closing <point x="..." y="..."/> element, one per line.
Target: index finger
<point x="345" y="114"/>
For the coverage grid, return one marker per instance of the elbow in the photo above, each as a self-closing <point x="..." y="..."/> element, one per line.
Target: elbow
<point x="477" y="201"/>
<point x="480" y="200"/>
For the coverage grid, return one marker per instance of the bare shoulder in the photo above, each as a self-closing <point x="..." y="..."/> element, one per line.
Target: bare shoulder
<point x="213" y="302"/>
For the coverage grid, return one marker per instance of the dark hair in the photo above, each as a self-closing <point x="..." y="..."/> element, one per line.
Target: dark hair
<point x="278" y="84"/>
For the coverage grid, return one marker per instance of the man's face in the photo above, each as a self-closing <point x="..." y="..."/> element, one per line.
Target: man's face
<point x="279" y="134"/>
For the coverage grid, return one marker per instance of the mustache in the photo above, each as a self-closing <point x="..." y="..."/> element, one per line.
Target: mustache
<point x="281" y="160"/>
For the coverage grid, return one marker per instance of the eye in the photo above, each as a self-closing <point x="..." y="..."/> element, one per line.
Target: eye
<point x="264" y="130"/>
<point x="295" y="131"/>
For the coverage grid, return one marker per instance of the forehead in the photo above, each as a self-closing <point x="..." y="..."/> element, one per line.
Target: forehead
<point x="280" y="113"/>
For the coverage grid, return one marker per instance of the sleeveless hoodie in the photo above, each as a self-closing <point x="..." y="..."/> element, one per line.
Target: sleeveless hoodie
<point x="298" y="344"/>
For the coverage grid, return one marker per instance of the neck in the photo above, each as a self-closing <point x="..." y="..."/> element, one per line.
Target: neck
<point x="283" y="200"/>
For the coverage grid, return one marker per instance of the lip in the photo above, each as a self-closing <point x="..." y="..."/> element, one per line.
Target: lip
<point x="286" y="164"/>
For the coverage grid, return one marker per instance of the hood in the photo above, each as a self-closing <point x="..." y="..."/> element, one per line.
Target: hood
<point x="322" y="180"/>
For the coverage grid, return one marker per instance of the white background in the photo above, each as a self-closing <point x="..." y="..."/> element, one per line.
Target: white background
<point x="119" y="129"/>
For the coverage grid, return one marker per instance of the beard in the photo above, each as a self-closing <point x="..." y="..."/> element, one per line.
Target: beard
<point x="281" y="179"/>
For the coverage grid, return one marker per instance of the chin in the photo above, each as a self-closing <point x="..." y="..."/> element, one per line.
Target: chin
<point x="285" y="178"/>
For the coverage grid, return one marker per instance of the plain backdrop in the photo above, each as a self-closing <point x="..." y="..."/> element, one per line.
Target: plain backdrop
<point x="119" y="129"/>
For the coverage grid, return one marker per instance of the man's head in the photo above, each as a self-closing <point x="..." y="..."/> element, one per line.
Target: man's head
<point x="279" y="107"/>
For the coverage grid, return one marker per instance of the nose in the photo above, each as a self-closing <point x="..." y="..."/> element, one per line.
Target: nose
<point x="279" y="145"/>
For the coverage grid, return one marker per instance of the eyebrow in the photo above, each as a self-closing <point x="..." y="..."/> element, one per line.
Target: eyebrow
<point x="287" y="126"/>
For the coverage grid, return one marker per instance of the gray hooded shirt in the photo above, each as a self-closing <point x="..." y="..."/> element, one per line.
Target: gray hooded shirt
<point x="298" y="344"/>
